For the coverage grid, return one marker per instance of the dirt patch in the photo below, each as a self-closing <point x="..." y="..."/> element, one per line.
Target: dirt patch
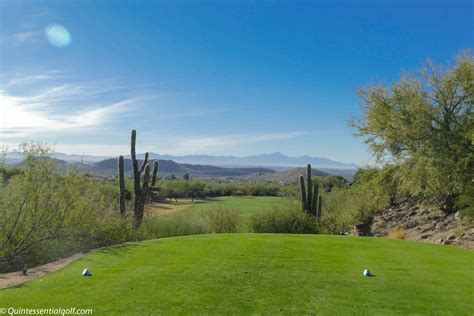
<point x="161" y="208"/>
<point x="15" y="278"/>
<point x="158" y="209"/>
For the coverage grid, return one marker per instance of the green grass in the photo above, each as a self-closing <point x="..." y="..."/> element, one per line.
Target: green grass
<point x="263" y="274"/>
<point x="247" y="205"/>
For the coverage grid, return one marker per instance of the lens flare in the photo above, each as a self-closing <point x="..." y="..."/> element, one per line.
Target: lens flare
<point x="58" y="35"/>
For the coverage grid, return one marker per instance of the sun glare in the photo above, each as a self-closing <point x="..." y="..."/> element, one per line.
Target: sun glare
<point x="58" y="35"/>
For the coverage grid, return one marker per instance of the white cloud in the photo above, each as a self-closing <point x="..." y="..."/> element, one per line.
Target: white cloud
<point x="93" y="149"/>
<point x="21" y="37"/>
<point x="175" y="145"/>
<point x="62" y="107"/>
<point x="25" y="79"/>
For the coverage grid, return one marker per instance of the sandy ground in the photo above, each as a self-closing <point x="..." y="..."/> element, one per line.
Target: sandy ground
<point x="157" y="209"/>
<point x="15" y="278"/>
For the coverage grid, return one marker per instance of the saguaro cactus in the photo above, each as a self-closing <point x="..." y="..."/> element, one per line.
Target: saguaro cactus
<point x="314" y="203"/>
<point x="303" y="193"/>
<point x="140" y="192"/>
<point x="146" y="181"/>
<point x="154" y="173"/>
<point x="309" y="195"/>
<point x="320" y="207"/>
<point x="311" y="202"/>
<point x="121" y="175"/>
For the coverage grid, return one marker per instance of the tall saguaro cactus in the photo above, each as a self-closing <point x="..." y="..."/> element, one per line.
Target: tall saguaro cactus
<point x="311" y="202"/>
<point x="121" y="175"/>
<point x="309" y="195"/>
<point x="320" y="207"/>
<point x="315" y="199"/>
<point x="140" y="192"/>
<point x="303" y="193"/>
<point x="154" y="173"/>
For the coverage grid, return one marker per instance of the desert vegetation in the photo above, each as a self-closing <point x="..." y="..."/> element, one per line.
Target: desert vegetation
<point x="420" y="131"/>
<point x="46" y="214"/>
<point x="236" y="158"/>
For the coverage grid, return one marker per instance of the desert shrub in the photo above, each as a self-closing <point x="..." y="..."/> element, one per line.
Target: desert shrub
<point x="180" y="188"/>
<point x="396" y="233"/>
<point x="46" y="214"/>
<point x="222" y="219"/>
<point x="181" y="223"/>
<point x="465" y="202"/>
<point x="285" y="218"/>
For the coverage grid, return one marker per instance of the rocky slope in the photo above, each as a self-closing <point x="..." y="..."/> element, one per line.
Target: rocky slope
<point x="424" y="223"/>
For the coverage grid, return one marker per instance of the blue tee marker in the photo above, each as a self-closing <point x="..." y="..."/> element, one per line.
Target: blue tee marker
<point x="367" y="273"/>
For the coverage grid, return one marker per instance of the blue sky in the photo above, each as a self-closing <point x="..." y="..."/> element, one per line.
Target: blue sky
<point x="196" y="77"/>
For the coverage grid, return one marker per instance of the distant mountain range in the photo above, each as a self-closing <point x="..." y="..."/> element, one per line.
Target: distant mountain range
<point x="276" y="159"/>
<point x="108" y="167"/>
<point x="168" y="167"/>
<point x="273" y="160"/>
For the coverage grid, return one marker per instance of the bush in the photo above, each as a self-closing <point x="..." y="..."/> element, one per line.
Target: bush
<point x="181" y="223"/>
<point x="287" y="218"/>
<point x="222" y="219"/>
<point x="46" y="214"/>
<point x="396" y="233"/>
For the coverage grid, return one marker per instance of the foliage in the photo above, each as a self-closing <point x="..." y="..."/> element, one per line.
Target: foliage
<point x="227" y="215"/>
<point x="396" y="233"/>
<point x="331" y="181"/>
<point x="175" y="224"/>
<point x="181" y="188"/>
<point x="45" y="215"/>
<point x="285" y="218"/>
<point x="222" y="220"/>
<point x="424" y="125"/>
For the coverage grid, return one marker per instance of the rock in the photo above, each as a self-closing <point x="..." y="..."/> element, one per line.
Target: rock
<point x="426" y="229"/>
<point x="457" y="216"/>
<point x="451" y="225"/>
<point x="425" y="222"/>
<point x="409" y="225"/>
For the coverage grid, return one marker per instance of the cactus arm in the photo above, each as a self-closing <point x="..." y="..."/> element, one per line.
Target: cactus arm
<point x="144" y="164"/>
<point x="121" y="174"/>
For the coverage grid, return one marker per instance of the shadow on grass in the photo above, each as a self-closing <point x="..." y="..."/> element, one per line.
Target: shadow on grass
<point x="119" y="249"/>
